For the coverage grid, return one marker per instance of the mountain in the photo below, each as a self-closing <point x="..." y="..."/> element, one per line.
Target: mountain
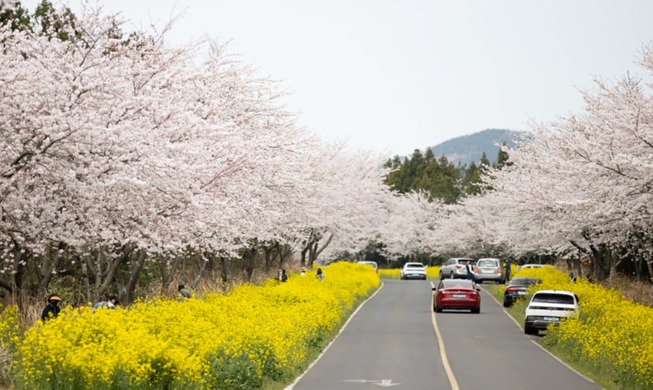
<point x="468" y="148"/>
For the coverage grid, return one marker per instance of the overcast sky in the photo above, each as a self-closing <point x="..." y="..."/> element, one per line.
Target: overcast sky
<point x="393" y="76"/>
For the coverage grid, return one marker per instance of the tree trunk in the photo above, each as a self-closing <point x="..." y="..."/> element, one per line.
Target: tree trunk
<point x="314" y="249"/>
<point x="169" y="266"/>
<point x="249" y="260"/>
<point x="105" y="268"/>
<point x="137" y="262"/>
<point x="271" y="251"/>
<point x="224" y="274"/>
<point x="285" y="251"/>
<point x="203" y="262"/>
<point x="49" y="267"/>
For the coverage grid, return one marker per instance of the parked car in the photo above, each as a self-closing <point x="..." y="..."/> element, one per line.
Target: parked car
<point x="456" y="268"/>
<point x="517" y="288"/>
<point x="370" y="263"/>
<point x="530" y="266"/>
<point x="489" y="269"/>
<point x="549" y="307"/>
<point x="456" y="294"/>
<point x="413" y="271"/>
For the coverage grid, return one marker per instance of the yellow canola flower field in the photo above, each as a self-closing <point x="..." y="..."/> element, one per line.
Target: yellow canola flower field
<point x="221" y="341"/>
<point x="612" y="335"/>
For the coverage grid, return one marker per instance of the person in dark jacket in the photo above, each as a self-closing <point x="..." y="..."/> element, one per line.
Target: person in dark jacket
<point x="470" y="273"/>
<point x="52" y="309"/>
<point x="184" y="293"/>
<point x="319" y="274"/>
<point x="508" y="264"/>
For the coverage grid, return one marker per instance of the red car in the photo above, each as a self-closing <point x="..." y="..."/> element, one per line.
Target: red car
<point x="456" y="294"/>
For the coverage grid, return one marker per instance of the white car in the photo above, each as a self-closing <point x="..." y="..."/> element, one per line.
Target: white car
<point x="373" y="264"/>
<point x="549" y="307"/>
<point x="413" y="271"/>
<point x="530" y="266"/>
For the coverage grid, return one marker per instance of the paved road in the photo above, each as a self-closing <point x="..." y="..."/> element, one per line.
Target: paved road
<point x="392" y="342"/>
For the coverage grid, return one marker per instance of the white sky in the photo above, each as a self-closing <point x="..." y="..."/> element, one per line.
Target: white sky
<point x="393" y="76"/>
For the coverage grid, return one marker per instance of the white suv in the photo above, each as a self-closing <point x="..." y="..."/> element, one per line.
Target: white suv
<point x="549" y="307"/>
<point x="413" y="271"/>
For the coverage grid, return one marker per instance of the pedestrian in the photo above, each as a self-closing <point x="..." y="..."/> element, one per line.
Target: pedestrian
<point x="52" y="309"/>
<point x="282" y="275"/>
<point x="470" y="274"/>
<point x="508" y="264"/>
<point x="319" y="274"/>
<point x="110" y="303"/>
<point x="183" y="293"/>
<point x="572" y="277"/>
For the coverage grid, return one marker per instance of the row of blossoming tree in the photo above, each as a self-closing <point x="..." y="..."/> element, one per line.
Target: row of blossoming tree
<point x="581" y="187"/>
<point x="121" y="155"/>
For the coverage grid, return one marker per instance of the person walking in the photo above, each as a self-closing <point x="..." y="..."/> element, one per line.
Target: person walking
<point x="52" y="309"/>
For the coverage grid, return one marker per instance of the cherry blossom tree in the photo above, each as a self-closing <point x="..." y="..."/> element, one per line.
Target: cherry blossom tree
<point x="120" y="152"/>
<point x="582" y="184"/>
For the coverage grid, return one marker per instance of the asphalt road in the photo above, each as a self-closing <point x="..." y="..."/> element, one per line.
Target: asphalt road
<point x="392" y="342"/>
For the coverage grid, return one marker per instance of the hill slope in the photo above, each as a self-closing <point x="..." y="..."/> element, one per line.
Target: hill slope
<point x="468" y="148"/>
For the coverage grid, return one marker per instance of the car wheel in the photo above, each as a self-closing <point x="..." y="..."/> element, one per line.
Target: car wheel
<point x="529" y="330"/>
<point x="479" y="281"/>
<point x="438" y="309"/>
<point x="476" y="311"/>
<point x="506" y="303"/>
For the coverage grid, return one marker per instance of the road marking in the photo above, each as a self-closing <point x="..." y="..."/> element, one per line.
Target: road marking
<point x="443" y="352"/>
<point x="382" y="382"/>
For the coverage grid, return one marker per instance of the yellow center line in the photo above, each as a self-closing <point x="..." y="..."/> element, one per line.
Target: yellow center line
<point x="443" y="352"/>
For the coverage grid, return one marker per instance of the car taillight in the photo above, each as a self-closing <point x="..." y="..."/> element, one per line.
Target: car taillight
<point x="476" y="269"/>
<point x="500" y="270"/>
<point x="459" y="266"/>
<point x="511" y="289"/>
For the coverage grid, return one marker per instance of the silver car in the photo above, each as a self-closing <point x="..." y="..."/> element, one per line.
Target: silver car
<point x="456" y="268"/>
<point x="489" y="269"/>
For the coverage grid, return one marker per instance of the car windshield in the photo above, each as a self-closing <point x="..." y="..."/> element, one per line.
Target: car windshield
<point x="524" y="281"/>
<point x="464" y="262"/>
<point x="487" y="263"/>
<point x="450" y="283"/>
<point x="409" y="265"/>
<point x="554" y="298"/>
